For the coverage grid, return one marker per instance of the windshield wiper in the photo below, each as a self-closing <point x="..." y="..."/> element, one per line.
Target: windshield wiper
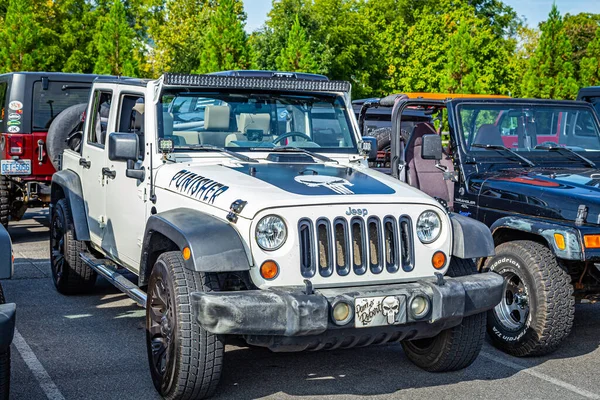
<point x="283" y="149"/>
<point x="204" y="147"/>
<point x="558" y="149"/>
<point x="505" y="149"/>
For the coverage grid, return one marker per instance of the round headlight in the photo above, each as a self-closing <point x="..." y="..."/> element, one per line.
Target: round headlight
<point x="271" y="233"/>
<point x="429" y="226"/>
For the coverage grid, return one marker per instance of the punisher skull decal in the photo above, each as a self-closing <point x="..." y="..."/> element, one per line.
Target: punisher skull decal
<point x="336" y="184"/>
<point x="390" y="308"/>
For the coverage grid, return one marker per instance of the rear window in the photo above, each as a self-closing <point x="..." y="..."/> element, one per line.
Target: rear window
<point x="47" y="104"/>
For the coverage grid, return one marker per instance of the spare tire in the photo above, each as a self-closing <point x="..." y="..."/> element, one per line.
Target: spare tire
<point x="61" y="132"/>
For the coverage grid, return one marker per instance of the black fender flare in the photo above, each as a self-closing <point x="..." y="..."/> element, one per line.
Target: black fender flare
<point x="69" y="183"/>
<point x="545" y="230"/>
<point x="471" y="238"/>
<point x="6" y="262"/>
<point x="215" y="245"/>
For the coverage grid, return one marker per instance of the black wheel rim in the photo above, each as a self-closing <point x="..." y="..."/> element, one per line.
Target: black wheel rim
<point x="514" y="309"/>
<point x="57" y="247"/>
<point x="161" y="332"/>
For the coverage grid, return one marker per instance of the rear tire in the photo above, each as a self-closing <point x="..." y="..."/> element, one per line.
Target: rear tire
<point x="185" y="360"/>
<point x="4" y="363"/>
<point x="69" y="273"/>
<point x="455" y="348"/>
<point x="537" y="310"/>
<point x="61" y="129"/>
<point x="4" y="200"/>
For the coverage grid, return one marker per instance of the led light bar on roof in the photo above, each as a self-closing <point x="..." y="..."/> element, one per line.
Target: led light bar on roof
<point x="239" y="82"/>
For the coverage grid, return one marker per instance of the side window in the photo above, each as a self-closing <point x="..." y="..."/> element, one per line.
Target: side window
<point x="131" y="118"/>
<point x="99" y="123"/>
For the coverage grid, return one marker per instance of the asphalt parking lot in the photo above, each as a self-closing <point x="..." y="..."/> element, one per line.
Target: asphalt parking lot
<point x="92" y="347"/>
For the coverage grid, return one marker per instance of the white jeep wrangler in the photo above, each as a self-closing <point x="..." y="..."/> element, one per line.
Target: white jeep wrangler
<point x="243" y="204"/>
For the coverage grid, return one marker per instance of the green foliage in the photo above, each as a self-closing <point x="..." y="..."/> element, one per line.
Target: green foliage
<point x="226" y="43"/>
<point x="115" y="44"/>
<point x="580" y="29"/>
<point x="179" y="36"/>
<point x="296" y="55"/>
<point x="26" y="44"/>
<point x="590" y="65"/>
<point x="550" y="73"/>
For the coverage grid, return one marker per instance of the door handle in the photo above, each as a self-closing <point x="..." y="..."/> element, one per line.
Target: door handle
<point x="109" y="173"/>
<point x="85" y="163"/>
<point x="40" y="151"/>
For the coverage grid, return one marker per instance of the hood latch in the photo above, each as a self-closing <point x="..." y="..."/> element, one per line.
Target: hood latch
<point x="235" y="208"/>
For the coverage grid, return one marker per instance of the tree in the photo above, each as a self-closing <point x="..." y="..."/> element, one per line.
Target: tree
<point x="225" y="44"/>
<point x="550" y="74"/>
<point x="296" y="56"/>
<point x="590" y="65"/>
<point x="580" y="29"/>
<point x="526" y="42"/>
<point x="115" y="44"/>
<point x="75" y="24"/>
<point x="26" y="44"/>
<point x="179" y="36"/>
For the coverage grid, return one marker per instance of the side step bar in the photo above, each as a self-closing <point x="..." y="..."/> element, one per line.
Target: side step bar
<point x="122" y="283"/>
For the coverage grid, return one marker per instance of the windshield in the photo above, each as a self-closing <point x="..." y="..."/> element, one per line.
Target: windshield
<point x="256" y="121"/>
<point x="47" y="104"/>
<point x="528" y="128"/>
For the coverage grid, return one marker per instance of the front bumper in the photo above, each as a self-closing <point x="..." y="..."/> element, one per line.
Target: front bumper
<point x="7" y="325"/>
<point x="292" y="313"/>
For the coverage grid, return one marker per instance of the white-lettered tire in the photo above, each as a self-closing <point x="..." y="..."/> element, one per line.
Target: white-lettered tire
<point x="185" y="360"/>
<point x="69" y="273"/>
<point x="455" y="348"/>
<point x="537" y="309"/>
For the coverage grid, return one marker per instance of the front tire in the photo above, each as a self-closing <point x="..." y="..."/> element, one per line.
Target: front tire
<point x="537" y="309"/>
<point x="455" y="348"/>
<point x="69" y="273"/>
<point x="185" y="360"/>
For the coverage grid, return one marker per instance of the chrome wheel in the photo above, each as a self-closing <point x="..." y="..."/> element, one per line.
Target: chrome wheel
<point x="513" y="310"/>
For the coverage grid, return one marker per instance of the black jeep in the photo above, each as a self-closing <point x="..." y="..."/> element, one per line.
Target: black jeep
<point x="530" y="170"/>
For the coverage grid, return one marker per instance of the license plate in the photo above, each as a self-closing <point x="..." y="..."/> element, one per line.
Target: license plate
<point x="379" y="311"/>
<point x="15" y="167"/>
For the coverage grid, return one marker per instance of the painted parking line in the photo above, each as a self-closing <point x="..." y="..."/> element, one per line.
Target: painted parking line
<point x="542" y="376"/>
<point x="36" y="367"/>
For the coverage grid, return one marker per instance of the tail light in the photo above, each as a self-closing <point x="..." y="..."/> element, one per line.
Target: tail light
<point x="16" y="145"/>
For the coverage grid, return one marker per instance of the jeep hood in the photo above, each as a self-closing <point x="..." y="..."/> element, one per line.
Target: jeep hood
<point x="555" y="194"/>
<point x="270" y="185"/>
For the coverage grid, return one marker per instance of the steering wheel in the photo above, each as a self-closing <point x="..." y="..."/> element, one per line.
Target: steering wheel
<point x="291" y="134"/>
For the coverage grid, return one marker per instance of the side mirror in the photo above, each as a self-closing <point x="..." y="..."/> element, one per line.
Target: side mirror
<point x="123" y="146"/>
<point x="369" y="147"/>
<point x="126" y="147"/>
<point x="432" y="147"/>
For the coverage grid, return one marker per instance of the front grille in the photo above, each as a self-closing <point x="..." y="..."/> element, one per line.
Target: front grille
<point x="356" y="246"/>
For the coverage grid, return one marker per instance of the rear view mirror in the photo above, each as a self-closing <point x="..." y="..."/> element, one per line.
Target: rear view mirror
<point x="369" y="147"/>
<point x="432" y="147"/>
<point x="123" y="146"/>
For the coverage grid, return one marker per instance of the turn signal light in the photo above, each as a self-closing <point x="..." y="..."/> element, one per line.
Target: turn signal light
<point x="186" y="253"/>
<point x="591" y="241"/>
<point x="438" y="260"/>
<point x="559" y="239"/>
<point x="269" y="270"/>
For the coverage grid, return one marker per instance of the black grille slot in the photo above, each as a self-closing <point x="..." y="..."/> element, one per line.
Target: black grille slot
<point x="375" y="245"/>
<point x="307" y="248"/>
<point x="406" y="244"/>
<point x="390" y="239"/>
<point x="359" y="246"/>
<point x="342" y="246"/>
<point x="325" y="247"/>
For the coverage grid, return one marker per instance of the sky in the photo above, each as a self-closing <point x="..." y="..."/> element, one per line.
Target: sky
<point x="534" y="11"/>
